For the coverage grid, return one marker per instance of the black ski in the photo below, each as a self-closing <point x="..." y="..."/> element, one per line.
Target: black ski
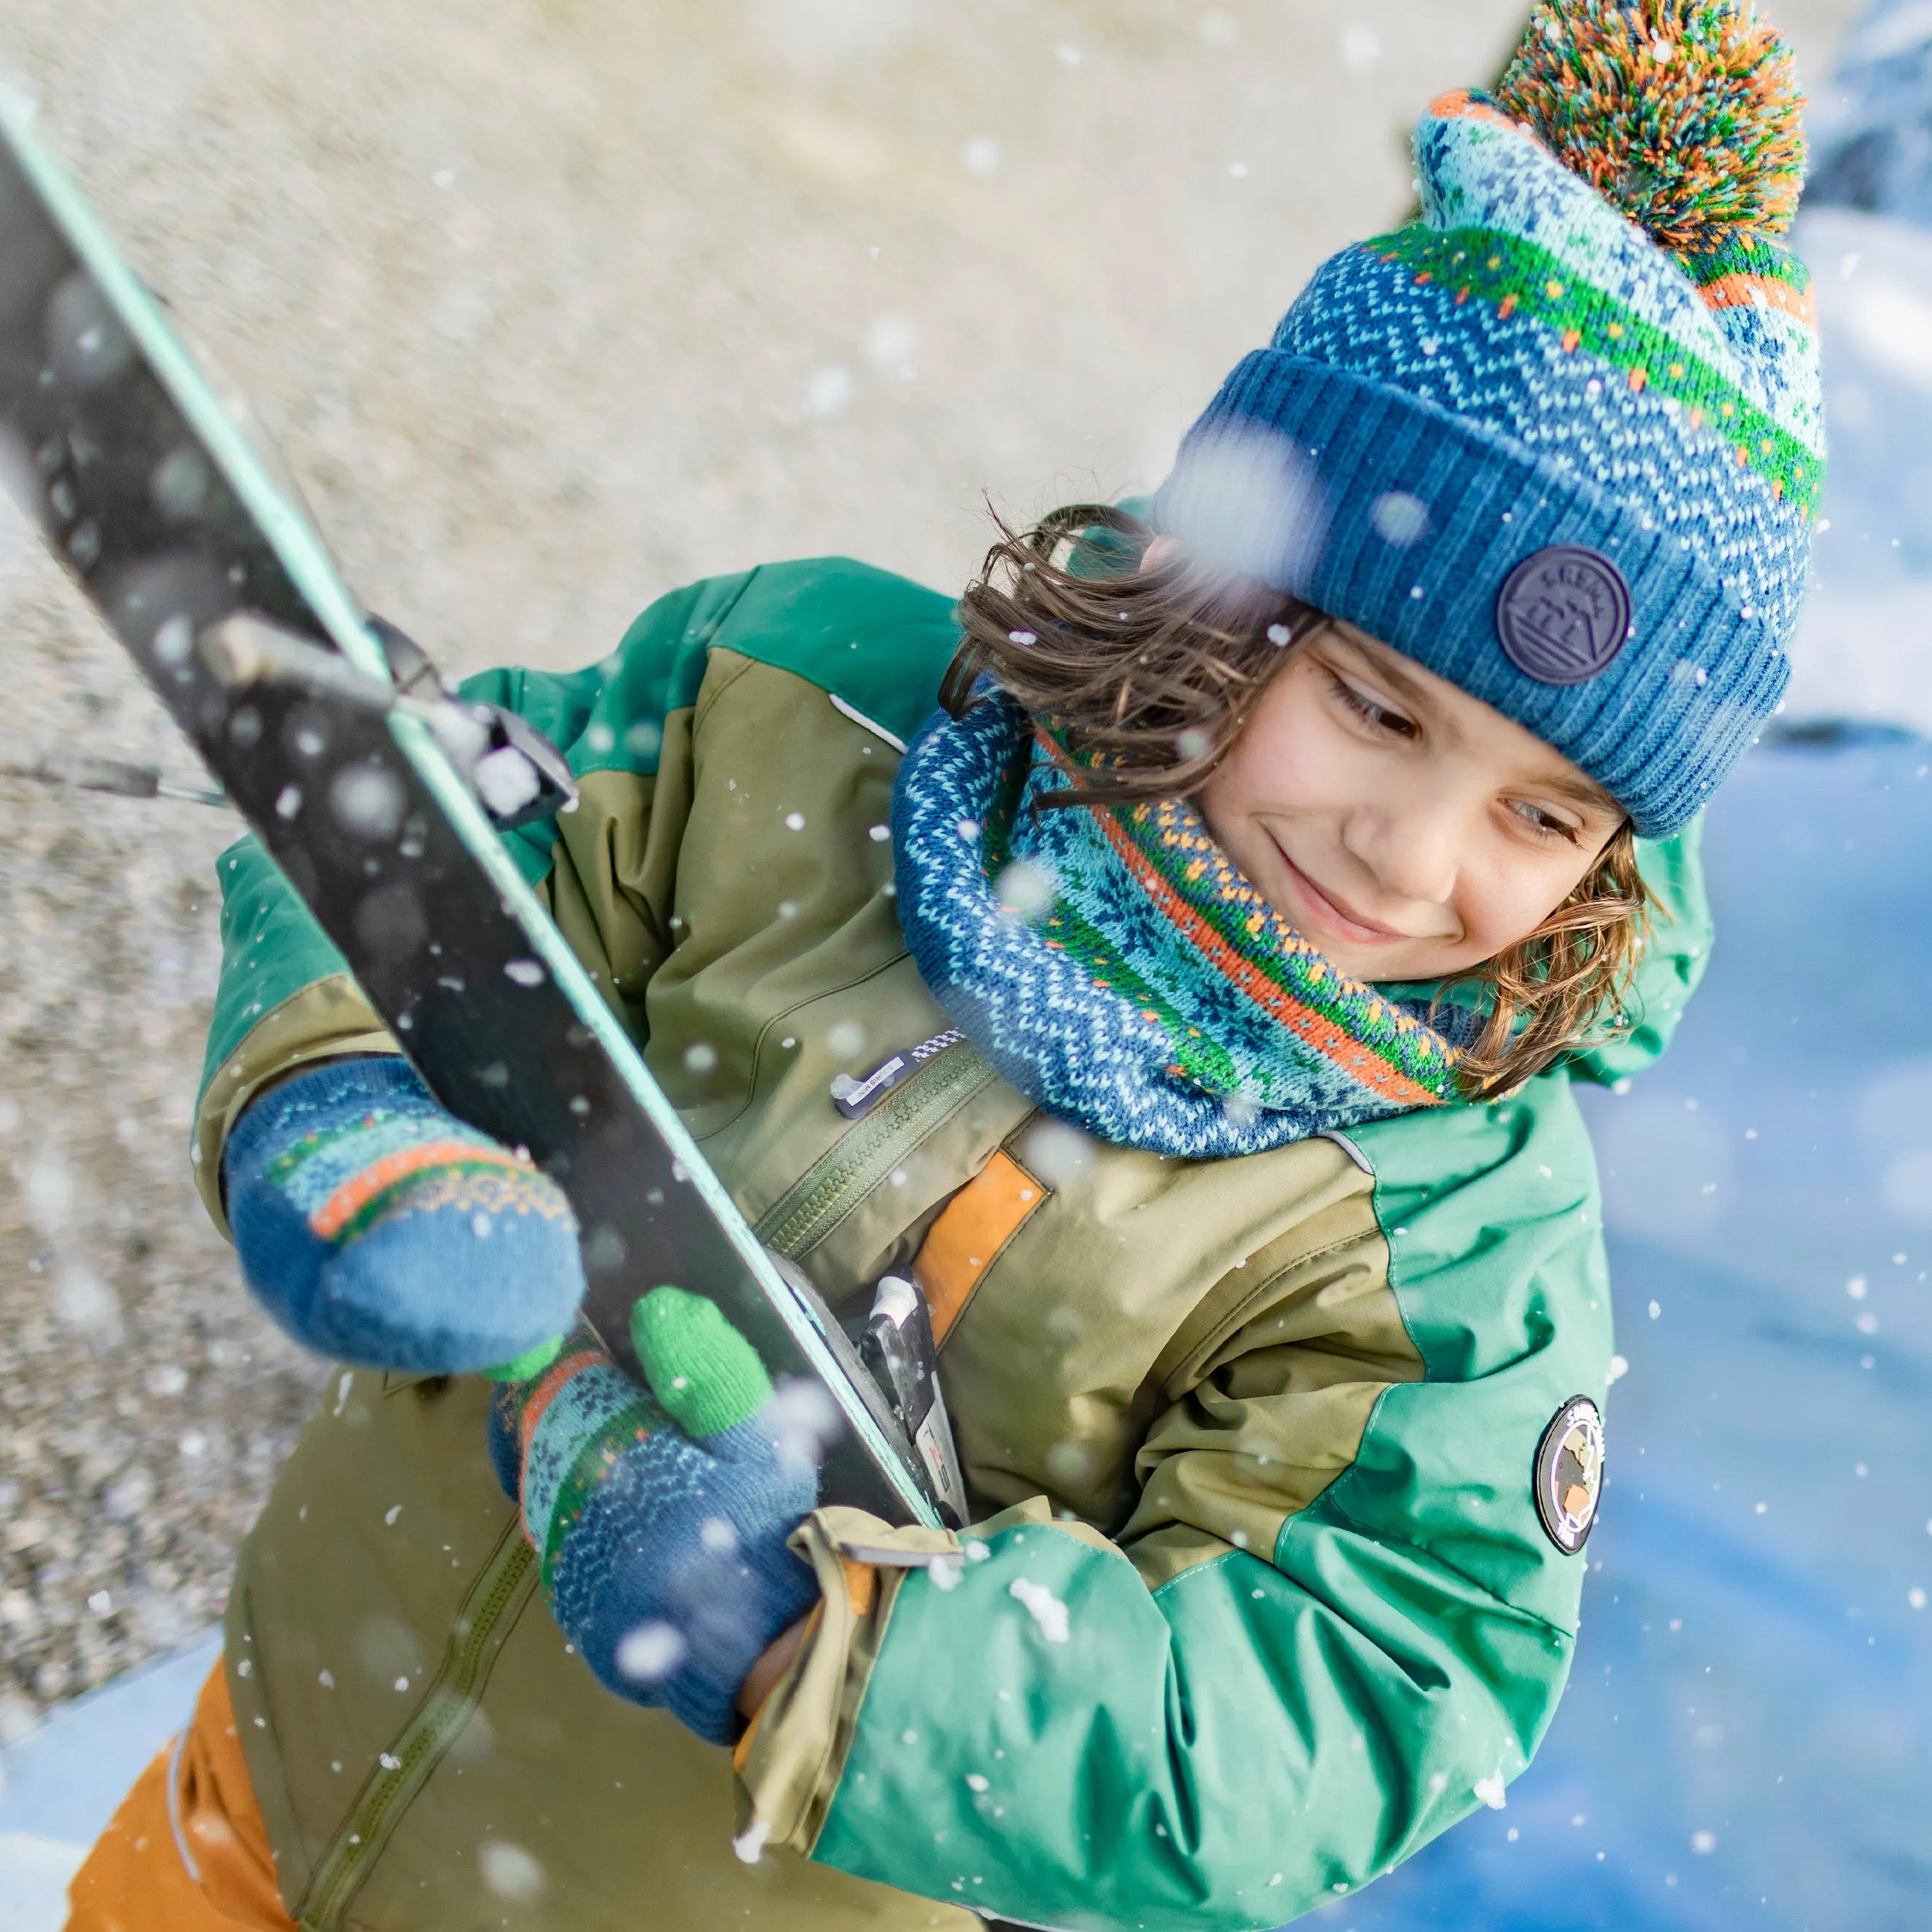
<point x="361" y="777"/>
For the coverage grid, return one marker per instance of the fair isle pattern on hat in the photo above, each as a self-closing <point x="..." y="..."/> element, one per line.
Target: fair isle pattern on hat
<point x="1155" y="998"/>
<point x="1578" y="267"/>
<point x="1533" y="368"/>
<point x="1677" y="353"/>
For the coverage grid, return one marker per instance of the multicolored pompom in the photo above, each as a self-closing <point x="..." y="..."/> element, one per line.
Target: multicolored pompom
<point x="1685" y="113"/>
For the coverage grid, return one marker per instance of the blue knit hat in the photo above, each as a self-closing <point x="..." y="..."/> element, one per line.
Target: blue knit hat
<point x="1560" y="440"/>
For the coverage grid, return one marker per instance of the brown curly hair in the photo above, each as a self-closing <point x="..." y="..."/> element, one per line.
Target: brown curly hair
<point x="1158" y="668"/>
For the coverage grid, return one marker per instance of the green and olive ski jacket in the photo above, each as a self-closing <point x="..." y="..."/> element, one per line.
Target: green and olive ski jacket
<point x="1259" y="1598"/>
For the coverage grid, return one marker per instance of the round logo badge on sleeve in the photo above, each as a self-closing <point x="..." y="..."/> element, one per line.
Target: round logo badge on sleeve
<point x="1568" y="1476"/>
<point x="1563" y="614"/>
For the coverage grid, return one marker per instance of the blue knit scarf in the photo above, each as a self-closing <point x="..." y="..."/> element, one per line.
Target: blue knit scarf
<point x="1115" y="965"/>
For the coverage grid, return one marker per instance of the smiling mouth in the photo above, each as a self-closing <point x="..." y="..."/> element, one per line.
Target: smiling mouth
<point x="1336" y="917"/>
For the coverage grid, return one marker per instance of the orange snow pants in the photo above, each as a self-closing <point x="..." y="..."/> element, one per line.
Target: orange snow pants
<point x="205" y="1866"/>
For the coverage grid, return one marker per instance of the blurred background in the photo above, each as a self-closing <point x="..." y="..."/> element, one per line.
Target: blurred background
<point x="553" y="304"/>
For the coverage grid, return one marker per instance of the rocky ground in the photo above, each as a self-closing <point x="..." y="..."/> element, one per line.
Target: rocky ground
<point x="552" y="306"/>
<point x="143" y="1403"/>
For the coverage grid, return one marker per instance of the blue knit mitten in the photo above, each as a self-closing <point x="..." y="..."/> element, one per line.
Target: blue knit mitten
<point x="376" y="1228"/>
<point x="661" y="1515"/>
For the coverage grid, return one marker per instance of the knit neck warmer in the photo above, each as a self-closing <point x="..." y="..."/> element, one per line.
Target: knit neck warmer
<point x="1114" y="965"/>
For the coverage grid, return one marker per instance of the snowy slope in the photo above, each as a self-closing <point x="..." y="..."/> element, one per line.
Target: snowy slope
<point x="1871" y="133"/>
<point x="1865" y="649"/>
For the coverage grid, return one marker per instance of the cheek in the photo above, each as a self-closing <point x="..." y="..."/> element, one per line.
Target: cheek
<point x="1507" y="900"/>
<point x="1290" y="757"/>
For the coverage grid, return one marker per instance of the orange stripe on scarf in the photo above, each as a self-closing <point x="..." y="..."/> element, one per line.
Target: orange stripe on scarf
<point x="1323" y="1035"/>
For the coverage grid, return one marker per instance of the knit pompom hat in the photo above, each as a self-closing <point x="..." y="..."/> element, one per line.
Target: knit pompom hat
<point x="1560" y="440"/>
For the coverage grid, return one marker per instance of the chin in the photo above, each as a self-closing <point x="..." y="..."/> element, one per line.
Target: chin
<point x="1375" y="969"/>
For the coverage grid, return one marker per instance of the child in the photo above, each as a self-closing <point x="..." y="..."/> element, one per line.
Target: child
<point x="1274" y="866"/>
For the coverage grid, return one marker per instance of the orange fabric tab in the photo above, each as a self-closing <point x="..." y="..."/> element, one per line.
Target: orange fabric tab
<point x="862" y="1582"/>
<point x="137" y="1879"/>
<point x="741" y="1751"/>
<point x="978" y="1221"/>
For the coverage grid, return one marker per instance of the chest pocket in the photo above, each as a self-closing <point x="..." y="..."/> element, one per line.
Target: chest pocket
<point x="971" y="1230"/>
<point x="924" y="1151"/>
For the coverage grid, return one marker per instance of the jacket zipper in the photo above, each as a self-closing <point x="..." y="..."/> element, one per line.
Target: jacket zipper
<point x="861" y="1160"/>
<point x="494" y="1602"/>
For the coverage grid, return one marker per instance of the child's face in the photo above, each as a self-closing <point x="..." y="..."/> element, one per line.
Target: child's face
<point x="1401" y="825"/>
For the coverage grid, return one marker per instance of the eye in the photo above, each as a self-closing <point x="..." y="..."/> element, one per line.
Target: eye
<point x="1543" y="822"/>
<point x="1371" y="710"/>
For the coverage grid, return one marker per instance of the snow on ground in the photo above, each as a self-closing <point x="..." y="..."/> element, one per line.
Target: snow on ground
<point x="1865" y="230"/>
<point x="60" y="1786"/>
<point x="144" y="1401"/>
<point x="1865" y="647"/>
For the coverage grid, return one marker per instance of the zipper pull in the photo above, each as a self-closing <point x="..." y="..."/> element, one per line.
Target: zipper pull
<point x="856" y="1098"/>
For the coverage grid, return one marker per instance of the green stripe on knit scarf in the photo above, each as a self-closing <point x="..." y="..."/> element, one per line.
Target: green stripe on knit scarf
<point x="1175" y="840"/>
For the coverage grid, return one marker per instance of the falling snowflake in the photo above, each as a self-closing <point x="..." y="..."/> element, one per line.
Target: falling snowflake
<point x="1047" y="1610"/>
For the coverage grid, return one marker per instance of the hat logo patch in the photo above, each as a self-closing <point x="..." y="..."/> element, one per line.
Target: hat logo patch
<point x="1563" y="614"/>
<point x="1568" y="1476"/>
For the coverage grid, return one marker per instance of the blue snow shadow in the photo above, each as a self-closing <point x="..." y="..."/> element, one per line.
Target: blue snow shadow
<point x="60" y="1784"/>
<point x="1747" y="1739"/>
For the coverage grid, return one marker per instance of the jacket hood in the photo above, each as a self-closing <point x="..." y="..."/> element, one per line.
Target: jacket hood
<point x="1673" y="962"/>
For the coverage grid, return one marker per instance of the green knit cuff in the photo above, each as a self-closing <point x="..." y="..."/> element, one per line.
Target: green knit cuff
<point x="532" y="1360"/>
<point x="704" y="1371"/>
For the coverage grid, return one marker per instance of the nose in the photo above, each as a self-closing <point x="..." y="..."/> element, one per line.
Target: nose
<point x="1410" y="842"/>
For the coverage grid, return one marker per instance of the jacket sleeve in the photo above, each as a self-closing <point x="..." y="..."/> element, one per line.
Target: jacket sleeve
<point x="286" y="997"/>
<point x="1072" y="1733"/>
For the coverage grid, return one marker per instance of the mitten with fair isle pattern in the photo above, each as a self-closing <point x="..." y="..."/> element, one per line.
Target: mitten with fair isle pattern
<point x="661" y="1513"/>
